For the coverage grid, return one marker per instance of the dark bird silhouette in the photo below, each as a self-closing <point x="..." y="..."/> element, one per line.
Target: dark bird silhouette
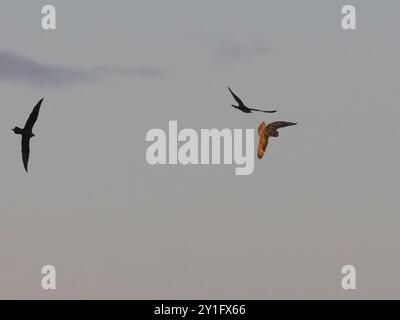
<point x="242" y="107"/>
<point x="26" y="133"/>
<point x="266" y="131"/>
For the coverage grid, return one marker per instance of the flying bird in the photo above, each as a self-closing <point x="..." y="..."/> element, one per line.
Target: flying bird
<point x="242" y="107"/>
<point x="266" y="131"/>
<point x="26" y="133"/>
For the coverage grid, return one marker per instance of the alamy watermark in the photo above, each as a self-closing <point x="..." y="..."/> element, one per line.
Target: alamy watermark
<point x="188" y="147"/>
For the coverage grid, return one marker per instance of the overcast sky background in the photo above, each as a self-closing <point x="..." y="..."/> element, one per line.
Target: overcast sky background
<point x="325" y="195"/>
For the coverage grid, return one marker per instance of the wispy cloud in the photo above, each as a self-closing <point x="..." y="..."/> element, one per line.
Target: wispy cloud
<point x="235" y="51"/>
<point x="14" y="67"/>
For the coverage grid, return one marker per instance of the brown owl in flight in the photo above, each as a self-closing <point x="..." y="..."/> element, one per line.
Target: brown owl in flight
<point x="266" y="131"/>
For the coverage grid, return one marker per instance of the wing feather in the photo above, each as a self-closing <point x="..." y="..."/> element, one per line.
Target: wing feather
<point x="265" y="111"/>
<point x="235" y="97"/>
<point x="25" y="151"/>
<point x="33" y="116"/>
<point x="280" y="124"/>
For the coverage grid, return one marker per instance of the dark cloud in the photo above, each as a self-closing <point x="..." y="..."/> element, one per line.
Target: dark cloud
<point x="17" y="68"/>
<point x="14" y="67"/>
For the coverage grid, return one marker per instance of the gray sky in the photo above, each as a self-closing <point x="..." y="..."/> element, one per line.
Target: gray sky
<point x="325" y="195"/>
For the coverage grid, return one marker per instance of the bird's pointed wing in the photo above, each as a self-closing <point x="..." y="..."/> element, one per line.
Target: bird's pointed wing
<point x="263" y="140"/>
<point x="280" y="124"/>
<point x="265" y="111"/>
<point x="235" y="97"/>
<point x="33" y="116"/>
<point x="25" y="151"/>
